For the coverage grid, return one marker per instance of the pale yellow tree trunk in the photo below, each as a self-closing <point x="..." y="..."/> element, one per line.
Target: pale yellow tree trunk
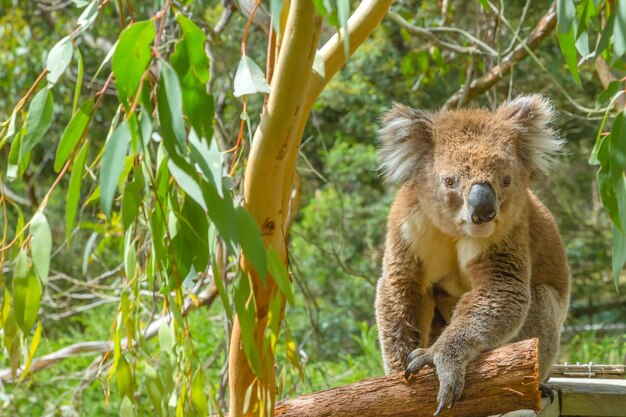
<point x="271" y="168"/>
<point x="263" y="190"/>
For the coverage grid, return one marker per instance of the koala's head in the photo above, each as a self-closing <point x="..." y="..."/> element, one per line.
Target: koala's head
<point x="470" y="169"/>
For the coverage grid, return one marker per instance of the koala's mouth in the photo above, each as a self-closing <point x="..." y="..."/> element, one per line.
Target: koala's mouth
<point x="479" y="230"/>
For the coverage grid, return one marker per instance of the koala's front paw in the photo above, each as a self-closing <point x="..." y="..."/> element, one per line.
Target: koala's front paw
<point x="451" y="374"/>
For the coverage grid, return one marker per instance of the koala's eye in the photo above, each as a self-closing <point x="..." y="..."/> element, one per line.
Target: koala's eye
<point x="449" y="182"/>
<point x="506" y="181"/>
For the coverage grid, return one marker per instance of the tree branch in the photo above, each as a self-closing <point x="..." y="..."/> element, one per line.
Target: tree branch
<point x="482" y="84"/>
<point x="481" y="48"/>
<point x="499" y="381"/>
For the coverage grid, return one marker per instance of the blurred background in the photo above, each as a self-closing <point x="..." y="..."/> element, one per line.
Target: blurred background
<point x="336" y="241"/>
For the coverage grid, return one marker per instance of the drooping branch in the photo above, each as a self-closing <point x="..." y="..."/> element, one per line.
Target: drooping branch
<point x="500" y="381"/>
<point x="482" y="84"/>
<point x="205" y="298"/>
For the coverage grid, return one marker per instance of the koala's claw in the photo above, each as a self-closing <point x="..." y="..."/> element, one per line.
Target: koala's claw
<point x="416" y="361"/>
<point x="546" y="391"/>
<point x="450" y="389"/>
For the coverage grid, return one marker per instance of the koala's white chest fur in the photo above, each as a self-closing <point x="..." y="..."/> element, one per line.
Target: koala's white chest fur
<point x="443" y="257"/>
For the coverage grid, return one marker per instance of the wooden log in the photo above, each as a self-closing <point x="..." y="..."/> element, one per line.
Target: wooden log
<point x="499" y="381"/>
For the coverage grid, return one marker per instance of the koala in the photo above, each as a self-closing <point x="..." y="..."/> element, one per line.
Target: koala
<point x="472" y="258"/>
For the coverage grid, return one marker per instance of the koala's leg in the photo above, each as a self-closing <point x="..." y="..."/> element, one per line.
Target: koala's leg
<point x="404" y="306"/>
<point x="545" y="321"/>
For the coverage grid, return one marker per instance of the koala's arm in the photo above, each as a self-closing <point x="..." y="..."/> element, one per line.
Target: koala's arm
<point x="404" y="302"/>
<point x="488" y="315"/>
<point x="492" y="312"/>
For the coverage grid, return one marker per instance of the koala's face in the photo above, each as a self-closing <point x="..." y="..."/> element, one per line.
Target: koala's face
<point x="470" y="168"/>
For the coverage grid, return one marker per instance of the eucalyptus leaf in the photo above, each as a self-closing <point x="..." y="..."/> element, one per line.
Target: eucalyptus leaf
<point x="249" y="237"/>
<point x="185" y="178"/>
<point x="249" y="78"/>
<point x="58" y="59"/>
<point x="72" y="134"/>
<point x="619" y="30"/>
<point x="41" y="246"/>
<point x="131" y="58"/>
<point x="73" y="192"/>
<point x="26" y="293"/>
<point x="112" y="165"/>
<point x="565" y="13"/>
<point x="38" y="121"/>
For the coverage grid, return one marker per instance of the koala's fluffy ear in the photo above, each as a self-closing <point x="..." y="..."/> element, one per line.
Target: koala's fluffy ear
<point x="404" y="139"/>
<point x="533" y="115"/>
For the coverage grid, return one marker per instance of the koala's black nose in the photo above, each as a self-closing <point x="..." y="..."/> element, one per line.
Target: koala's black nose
<point x="481" y="203"/>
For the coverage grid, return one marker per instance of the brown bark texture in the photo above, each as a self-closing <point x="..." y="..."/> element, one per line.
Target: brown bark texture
<point x="499" y="381"/>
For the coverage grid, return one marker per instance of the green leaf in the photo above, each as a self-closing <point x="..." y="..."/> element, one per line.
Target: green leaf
<point x="41" y="246"/>
<point x="192" y="66"/>
<point x="249" y="78"/>
<point x="73" y="192"/>
<point x="565" y="14"/>
<point x="88" y="16"/>
<point x="131" y="199"/>
<point x="208" y="159"/>
<point x="112" y="165"/>
<point x="221" y="289"/>
<point x="568" y="48"/>
<point x="582" y="45"/>
<point x="249" y="236"/>
<point x="79" y="80"/>
<point x="608" y="93"/>
<point x="58" y="59"/>
<point x="605" y="182"/>
<point x="618" y="149"/>
<point x="124" y="377"/>
<point x="484" y="4"/>
<point x="127" y="408"/>
<point x="343" y="13"/>
<point x="14" y="156"/>
<point x="166" y="335"/>
<point x="130" y="255"/>
<point x="131" y="58"/>
<point x="72" y="133"/>
<point x="605" y="38"/>
<point x="106" y="59"/>
<point x="170" y="109"/>
<point x="221" y="212"/>
<point x="26" y="293"/>
<point x="38" y="121"/>
<point x="276" y="10"/>
<point x="194" y="226"/>
<point x="278" y="271"/>
<point x="31" y="351"/>
<point x="185" y="178"/>
<point x="89" y="246"/>
<point x="194" y="40"/>
<point x="619" y="253"/>
<point x="244" y="306"/>
<point x="198" y="397"/>
<point x="619" y="30"/>
<point x="154" y="388"/>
